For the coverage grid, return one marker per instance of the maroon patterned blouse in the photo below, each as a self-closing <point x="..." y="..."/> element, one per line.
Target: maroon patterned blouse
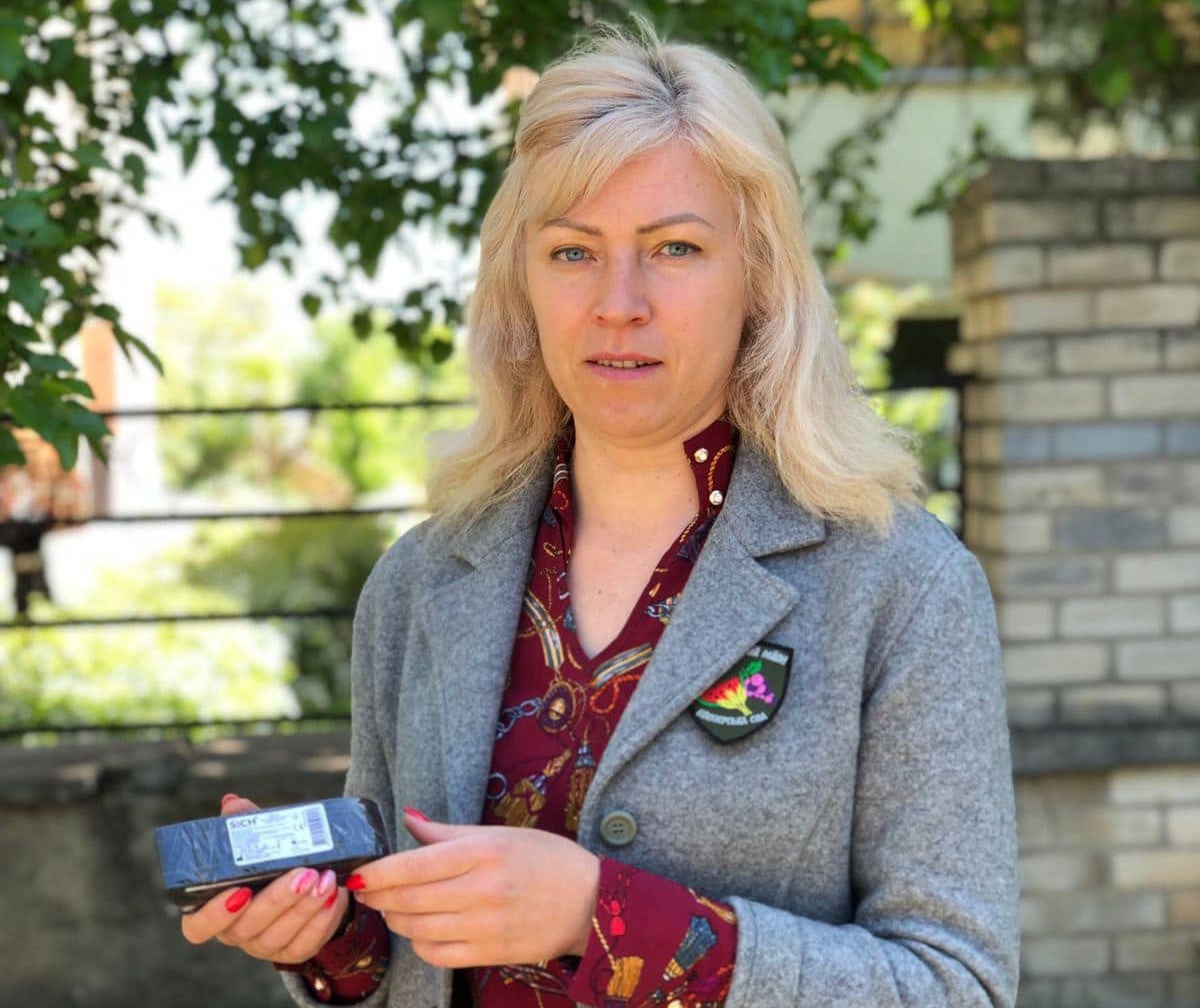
<point x="653" y="941"/>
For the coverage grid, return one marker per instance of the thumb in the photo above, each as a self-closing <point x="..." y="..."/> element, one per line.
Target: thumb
<point x="426" y="831"/>
<point x="232" y="804"/>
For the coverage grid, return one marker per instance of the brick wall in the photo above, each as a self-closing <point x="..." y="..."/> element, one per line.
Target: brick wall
<point x="1110" y="878"/>
<point x="1081" y="338"/>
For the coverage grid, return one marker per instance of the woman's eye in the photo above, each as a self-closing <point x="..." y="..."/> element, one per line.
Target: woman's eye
<point x="679" y="249"/>
<point x="572" y="253"/>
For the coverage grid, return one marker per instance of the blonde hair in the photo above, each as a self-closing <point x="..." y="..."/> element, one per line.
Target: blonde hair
<point x="792" y="391"/>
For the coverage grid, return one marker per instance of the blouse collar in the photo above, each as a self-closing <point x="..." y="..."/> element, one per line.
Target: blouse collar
<point x="710" y="454"/>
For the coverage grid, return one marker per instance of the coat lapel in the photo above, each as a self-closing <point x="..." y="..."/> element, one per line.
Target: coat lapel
<point x="471" y="622"/>
<point x="730" y="603"/>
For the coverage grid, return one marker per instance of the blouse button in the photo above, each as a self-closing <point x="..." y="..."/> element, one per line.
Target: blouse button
<point x="700" y="454"/>
<point x="618" y="828"/>
<point x="715" y="498"/>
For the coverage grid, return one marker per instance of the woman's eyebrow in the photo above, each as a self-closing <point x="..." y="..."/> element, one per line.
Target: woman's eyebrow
<point x="669" y="221"/>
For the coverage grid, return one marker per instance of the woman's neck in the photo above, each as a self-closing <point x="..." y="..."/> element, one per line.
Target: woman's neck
<point x="631" y="491"/>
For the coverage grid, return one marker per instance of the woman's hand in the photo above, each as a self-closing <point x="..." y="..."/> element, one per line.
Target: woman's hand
<point x="289" y="921"/>
<point x="484" y="895"/>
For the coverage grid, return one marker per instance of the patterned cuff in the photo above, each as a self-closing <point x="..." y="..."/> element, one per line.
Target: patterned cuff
<point x="655" y="941"/>
<point x="352" y="963"/>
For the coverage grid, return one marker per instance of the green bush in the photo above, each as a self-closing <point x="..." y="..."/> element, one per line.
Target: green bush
<point x="300" y="564"/>
<point x="148" y="673"/>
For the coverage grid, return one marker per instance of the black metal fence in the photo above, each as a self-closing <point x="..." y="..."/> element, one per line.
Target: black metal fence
<point x="32" y="730"/>
<point x="25" y="538"/>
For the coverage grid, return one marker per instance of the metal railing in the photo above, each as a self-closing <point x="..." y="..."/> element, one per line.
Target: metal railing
<point x="31" y="531"/>
<point x="39" y="732"/>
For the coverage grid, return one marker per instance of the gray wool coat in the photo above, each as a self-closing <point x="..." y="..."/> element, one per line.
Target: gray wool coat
<point x="865" y="835"/>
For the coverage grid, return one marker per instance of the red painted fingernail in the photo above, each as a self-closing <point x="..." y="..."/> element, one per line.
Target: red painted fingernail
<point x="238" y="900"/>
<point x="227" y="797"/>
<point x="415" y="813"/>
<point x="355" y="882"/>
<point x="332" y="899"/>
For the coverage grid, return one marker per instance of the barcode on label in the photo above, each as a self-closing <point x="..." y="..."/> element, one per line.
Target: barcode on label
<point x="318" y="831"/>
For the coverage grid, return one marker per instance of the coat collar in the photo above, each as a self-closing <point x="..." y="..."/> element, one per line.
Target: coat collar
<point x="731" y="601"/>
<point x="760" y="513"/>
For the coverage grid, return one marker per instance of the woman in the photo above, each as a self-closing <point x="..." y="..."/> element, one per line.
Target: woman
<point x="701" y="707"/>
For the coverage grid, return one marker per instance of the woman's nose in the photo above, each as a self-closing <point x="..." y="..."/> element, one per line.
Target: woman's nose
<point x="621" y="299"/>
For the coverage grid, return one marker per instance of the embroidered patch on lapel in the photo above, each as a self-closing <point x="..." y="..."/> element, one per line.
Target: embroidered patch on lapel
<point x="748" y="696"/>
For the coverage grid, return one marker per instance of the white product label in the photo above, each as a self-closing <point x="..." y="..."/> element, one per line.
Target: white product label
<point x="278" y="833"/>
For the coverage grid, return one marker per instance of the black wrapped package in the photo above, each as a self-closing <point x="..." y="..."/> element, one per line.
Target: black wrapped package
<point x="202" y="856"/>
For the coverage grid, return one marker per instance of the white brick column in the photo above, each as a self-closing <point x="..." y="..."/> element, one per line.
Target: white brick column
<point x="1081" y="288"/>
<point x="1081" y="338"/>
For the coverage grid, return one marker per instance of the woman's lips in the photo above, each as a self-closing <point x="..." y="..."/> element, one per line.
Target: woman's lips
<point x="616" y="368"/>
<point x="625" y="365"/>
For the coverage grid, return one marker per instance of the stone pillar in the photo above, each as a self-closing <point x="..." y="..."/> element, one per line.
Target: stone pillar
<point x="1080" y="283"/>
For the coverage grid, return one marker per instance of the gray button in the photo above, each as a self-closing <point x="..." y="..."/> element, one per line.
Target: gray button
<point x="618" y="828"/>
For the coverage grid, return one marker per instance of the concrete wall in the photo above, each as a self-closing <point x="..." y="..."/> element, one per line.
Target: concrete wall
<point x="1080" y="283"/>
<point x="82" y="921"/>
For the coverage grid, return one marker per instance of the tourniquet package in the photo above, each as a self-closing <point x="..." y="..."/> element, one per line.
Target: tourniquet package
<point x="203" y="856"/>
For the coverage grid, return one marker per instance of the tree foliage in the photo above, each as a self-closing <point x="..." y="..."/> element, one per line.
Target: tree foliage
<point x="276" y="91"/>
<point x="89" y="89"/>
<point x="1128" y="66"/>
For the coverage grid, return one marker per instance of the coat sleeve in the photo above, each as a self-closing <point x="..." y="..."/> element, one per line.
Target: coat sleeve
<point x="933" y="845"/>
<point x="369" y="775"/>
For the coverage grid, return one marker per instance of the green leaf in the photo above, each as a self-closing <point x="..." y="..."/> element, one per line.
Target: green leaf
<point x="135" y="169"/>
<point x="1165" y="48"/>
<point x="401" y="332"/>
<point x="189" y="147"/>
<point x="90" y="155"/>
<point x="68" y="386"/>
<point x="126" y="339"/>
<point x="62" y="51"/>
<point x="90" y="425"/>
<point x="1113" y="85"/>
<point x="50" y="235"/>
<point x="51" y="363"/>
<point x="442" y="17"/>
<point x="440" y="350"/>
<point x="24" y="285"/>
<point x="66" y="443"/>
<point x="361" y="323"/>
<point x="311" y="304"/>
<point x="10" y="451"/>
<point x="16" y="335"/>
<point x="874" y="67"/>
<point x="254" y="254"/>
<point x="24" y="215"/>
<point x="12" y="51"/>
<point x="28" y="409"/>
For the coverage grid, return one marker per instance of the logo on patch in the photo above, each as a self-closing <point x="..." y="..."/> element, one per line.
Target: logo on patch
<point x="747" y="697"/>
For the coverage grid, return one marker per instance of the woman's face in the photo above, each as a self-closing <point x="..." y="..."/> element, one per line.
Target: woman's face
<point x="639" y="302"/>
